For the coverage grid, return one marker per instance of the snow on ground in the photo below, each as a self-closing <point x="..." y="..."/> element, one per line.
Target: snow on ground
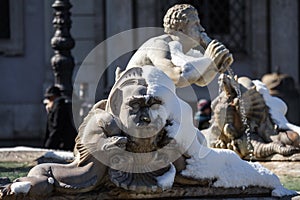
<point x="63" y="155"/>
<point x="22" y="148"/>
<point x="55" y="154"/>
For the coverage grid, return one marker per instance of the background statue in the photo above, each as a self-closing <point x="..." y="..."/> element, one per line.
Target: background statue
<point x="267" y="136"/>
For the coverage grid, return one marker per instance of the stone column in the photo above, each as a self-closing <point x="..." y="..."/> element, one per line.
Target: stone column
<point x="62" y="42"/>
<point x="259" y="37"/>
<point x="285" y="37"/>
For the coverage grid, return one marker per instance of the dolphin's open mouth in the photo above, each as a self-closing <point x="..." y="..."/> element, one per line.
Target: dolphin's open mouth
<point x="115" y="142"/>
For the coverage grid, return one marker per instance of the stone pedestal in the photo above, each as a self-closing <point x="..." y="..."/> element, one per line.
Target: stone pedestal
<point x="203" y="191"/>
<point x="177" y="192"/>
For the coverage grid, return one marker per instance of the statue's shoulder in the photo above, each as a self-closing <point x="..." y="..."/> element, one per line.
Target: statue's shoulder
<point x="159" y="40"/>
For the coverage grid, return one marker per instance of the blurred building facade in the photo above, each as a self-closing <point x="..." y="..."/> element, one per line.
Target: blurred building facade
<point x="262" y="34"/>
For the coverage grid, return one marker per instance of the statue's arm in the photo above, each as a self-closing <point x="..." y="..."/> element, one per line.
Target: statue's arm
<point x="184" y="75"/>
<point x="159" y="55"/>
<point x="203" y="69"/>
<point x="200" y="71"/>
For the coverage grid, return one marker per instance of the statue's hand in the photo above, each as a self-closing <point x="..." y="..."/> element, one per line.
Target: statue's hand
<point x="220" y="55"/>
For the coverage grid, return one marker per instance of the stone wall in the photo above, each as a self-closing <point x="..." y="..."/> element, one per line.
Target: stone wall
<point x="272" y="40"/>
<point x="21" y="83"/>
<point x="285" y="37"/>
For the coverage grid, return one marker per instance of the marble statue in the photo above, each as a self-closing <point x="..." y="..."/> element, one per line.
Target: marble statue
<point x="267" y="135"/>
<point x="182" y="24"/>
<point x="142" y="138"/>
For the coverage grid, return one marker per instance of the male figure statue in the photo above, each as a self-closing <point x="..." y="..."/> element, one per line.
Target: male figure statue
<point x="182" y="25"/>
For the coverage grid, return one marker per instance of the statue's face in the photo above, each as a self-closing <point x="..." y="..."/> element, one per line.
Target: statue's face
<point x="142" y="115"/>
<point x="194" y="28"/>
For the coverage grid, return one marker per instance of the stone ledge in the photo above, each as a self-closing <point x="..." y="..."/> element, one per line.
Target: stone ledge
<point x="177" y="192"/>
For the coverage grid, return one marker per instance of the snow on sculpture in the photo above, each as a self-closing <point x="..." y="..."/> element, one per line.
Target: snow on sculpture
<point x="141" y="142"/>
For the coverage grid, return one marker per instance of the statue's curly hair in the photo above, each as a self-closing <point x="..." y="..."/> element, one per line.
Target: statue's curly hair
<point x="176" y="17"/>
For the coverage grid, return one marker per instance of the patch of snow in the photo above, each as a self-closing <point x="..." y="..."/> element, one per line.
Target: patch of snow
<point x="230" y="170"/>
<point x="61" y="155"/>
<point x="22" y="148"/>
<point x="278" y="108"/>
<point x="166" y="180"/>
<point x="194" y="53"/>
<point x="179" y="113"/>
<point x="20" y="187"/>
<point x="50" y="180"/>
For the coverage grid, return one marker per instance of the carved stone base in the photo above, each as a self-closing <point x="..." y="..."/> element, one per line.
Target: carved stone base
<point x="196" y="191"/>
<point x="177" y="192"/>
